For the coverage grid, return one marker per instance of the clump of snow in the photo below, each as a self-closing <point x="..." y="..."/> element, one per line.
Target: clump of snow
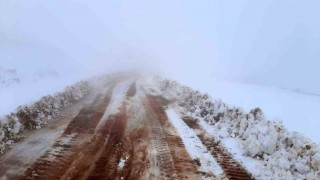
<point x="122" y="162"/>
<point x="285" y="154"/>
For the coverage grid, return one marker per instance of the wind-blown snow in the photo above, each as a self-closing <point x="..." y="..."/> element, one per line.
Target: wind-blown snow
<point x="193" y="145"/>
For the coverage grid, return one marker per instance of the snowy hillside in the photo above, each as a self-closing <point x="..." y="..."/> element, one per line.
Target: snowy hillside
<point x="266" y="148"/>
<point x="298" y="111"/>
<point x="24" y="87"/>
<point x="10" y="77"/>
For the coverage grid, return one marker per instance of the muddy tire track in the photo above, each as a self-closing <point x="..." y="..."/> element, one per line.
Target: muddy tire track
<point x="137" y="163"/>
<point x="106" y="167"/>
<point x="232" y="169"/>
<point x="57" y="160"/>
<point x="174" y="161"/>
<point x="121" y="145"/>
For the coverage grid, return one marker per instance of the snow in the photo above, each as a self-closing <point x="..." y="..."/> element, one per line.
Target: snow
<point x="297" y="111"/>
<point x="66" y="140"/>
<point x="193" y="145"/>
<point x="265" y="148"/>
<point x="37" y="114"/>
<point x="27" y="92"/>
<point x="235" y="148"/>
<point x="116" y="101"/>
<point x="56" y="150"/>
<point x="31" y="148"/>
<point x="117" y="98"/>
<point x="122" y="162"/>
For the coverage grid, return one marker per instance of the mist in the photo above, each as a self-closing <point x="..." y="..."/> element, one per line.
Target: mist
<point x="270" y="43"/>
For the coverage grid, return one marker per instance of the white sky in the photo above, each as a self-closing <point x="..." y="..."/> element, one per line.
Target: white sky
<point x="273" y="43"/>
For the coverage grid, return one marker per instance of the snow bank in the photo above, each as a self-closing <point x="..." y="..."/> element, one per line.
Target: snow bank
<point x="285" y="154"/>
<point x="277" y="103"/>
<point x="37" y="114"/>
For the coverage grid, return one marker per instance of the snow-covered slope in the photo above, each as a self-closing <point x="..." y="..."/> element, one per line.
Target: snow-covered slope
<point x="19" y="88"/>
<point x="298" y="111"/>
<point x="266" y="148"/>
<point x="36" y="114"/>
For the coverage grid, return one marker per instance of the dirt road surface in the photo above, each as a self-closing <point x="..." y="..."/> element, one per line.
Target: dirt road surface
<point x="119" y="131"/>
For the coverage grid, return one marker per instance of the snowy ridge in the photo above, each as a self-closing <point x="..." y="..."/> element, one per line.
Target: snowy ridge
<point x="265" y="148"/>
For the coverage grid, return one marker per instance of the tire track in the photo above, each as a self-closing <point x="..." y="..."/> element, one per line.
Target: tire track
<point x="159" y="142"/>
<point x="57" y="160"/>
<point x="174" y="161"/>
<point x="106" y="167"/>
<point x="121" y="145"/>
<point x="232" y="169"/>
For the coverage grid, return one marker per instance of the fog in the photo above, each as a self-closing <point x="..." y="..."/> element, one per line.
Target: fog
<point x="271" y="43"/>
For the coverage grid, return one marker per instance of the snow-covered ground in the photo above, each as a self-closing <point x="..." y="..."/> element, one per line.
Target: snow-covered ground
<point x="20" y="88"/>
<point x="36" y="112"/>
<point x="297" y="111"/>
<point x="265" y="148"/>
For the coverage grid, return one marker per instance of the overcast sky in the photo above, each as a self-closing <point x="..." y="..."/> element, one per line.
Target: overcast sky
<point x="273" y="43"/>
